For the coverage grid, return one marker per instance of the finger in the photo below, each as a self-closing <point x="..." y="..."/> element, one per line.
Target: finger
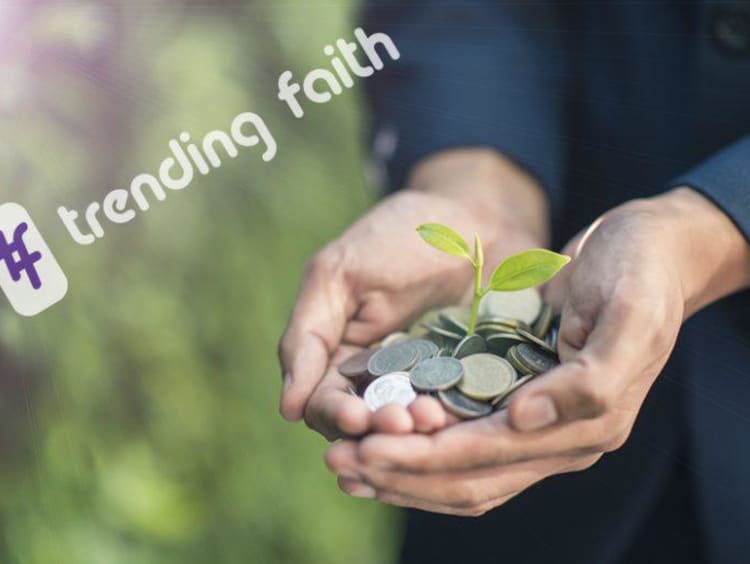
<point x="394" y="419"/>
<point x="333" y="410"/>
<point x="462" y="489"/>
<point x="488" y="441"/>
<point x="356" y="488"/>
<point x="429" y="415"/>
<point x="378" y="315"/>
<point x="314" y="332"/>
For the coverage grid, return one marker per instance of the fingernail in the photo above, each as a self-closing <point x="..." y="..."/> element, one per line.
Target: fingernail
<point x="362" y="490"/>
<point x="535" y="413"/>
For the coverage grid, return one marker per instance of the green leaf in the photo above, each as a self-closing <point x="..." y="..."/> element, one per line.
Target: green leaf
<point x="444" y="238"/>
<point x="526" y="270"/>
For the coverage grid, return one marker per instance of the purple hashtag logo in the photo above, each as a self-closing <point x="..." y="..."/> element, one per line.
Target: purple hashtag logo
<point x="17" y="257"/>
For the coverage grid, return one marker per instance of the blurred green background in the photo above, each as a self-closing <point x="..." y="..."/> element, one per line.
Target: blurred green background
<point x="139" y="415"/>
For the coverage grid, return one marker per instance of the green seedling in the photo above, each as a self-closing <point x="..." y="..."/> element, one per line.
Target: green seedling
<point x="527" y="269"/>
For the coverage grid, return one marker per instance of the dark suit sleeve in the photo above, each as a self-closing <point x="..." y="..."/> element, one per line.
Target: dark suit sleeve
<point x="491" y="74"/>
<point x="725" y="179"/>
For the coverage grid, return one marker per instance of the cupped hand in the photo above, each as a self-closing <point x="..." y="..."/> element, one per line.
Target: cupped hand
<point x="379" y="275"/>
<point x="637" y="273"/>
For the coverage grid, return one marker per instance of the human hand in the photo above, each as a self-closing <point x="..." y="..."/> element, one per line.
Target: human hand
<point x="379" y="275"/>
<point x="637" y="273"/>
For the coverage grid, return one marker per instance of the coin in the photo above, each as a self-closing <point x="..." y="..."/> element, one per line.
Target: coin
<point x="435" y="374"/>
<point x="499" y="343"/>
<point x="471" y="344"/>
<point x="511" y="357"/>
<point x="529" y="336"/>
<point x="425" y="349"/>
<point x="515" y="334"/>
<point x="397" y="337"/>
<point x="500" y="323"/>
<point x="462" y="406"/>
<point x="428" y="318"/>
<point x="356" y="365"/>
<point x="523" y="305"/>
<point x="437" y="330"/>
<point x="394" y="358"/>
<point x="455" y="319"/>
<point x="544" y="321"/>
<point x="485" y="376"/>
<point x="502" y="400"/>
<point x="536" y="361"/>
<point x="393" y="388"/>
<point x="553" y="333"/>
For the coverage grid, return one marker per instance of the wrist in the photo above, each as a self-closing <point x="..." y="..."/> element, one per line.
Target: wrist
<point x="713" y="258"/>
<point x="507" y="202"/>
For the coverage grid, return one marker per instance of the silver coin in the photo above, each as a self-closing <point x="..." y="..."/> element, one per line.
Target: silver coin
<point x="461" y="406"/>
<point x="537" y="361"/>
<point x="394" y="358"/>
<point x="502" y="324"/>
<point x="394" y="388"/>
<point x="436" y="374"/>
<point x="426" y="349"/>
<point x="471" y="344"/>
<point x="523" y="305"/>
<point x="455" y="319"/>
<point x="500" y="343"/>
<point x="356" y="365"/>
<point x="445" y="351"/>
<point x="437" y="330"/>
<point x="393" y="338"/>
<point x="529" y="336"/>
<point x="544" y="321"/>
<point x="553" y="334"/>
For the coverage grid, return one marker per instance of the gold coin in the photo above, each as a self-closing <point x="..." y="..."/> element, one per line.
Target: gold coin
<point x="485" y="376"/>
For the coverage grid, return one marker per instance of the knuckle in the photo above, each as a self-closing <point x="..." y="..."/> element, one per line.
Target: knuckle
<point x="477" y="511"/>
<point x="464" y="495"/>
<point x="382" y="481"/>
<point x="622" y="304"/>
<point x="325" y="262"/>
<point x="607" y="437"/>
<point x="585" y="462"/>
<point x="616" y="442"/>
<point x="284" y="348"/>
<point x="593" y="397"/>
<point x="421" y="463"/>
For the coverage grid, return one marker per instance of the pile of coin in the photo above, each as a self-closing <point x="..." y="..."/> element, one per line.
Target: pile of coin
<point x="515" y="340"/>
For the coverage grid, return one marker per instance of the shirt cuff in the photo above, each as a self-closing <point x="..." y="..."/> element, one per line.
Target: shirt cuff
<point x="725" y="180"/>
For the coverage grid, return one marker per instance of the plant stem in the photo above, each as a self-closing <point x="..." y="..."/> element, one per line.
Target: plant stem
<point x="477" y="296"/>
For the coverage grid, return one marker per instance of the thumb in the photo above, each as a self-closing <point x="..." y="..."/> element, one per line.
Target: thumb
<point x="567" y="393"/>
<point x="587" y="383"/>
<point x="314" y="331"/>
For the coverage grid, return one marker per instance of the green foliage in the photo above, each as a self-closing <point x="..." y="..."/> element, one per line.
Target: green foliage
<point x="526" y="270"/>
<point x="518" y="272"/>
<point x="445" y="239"/>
